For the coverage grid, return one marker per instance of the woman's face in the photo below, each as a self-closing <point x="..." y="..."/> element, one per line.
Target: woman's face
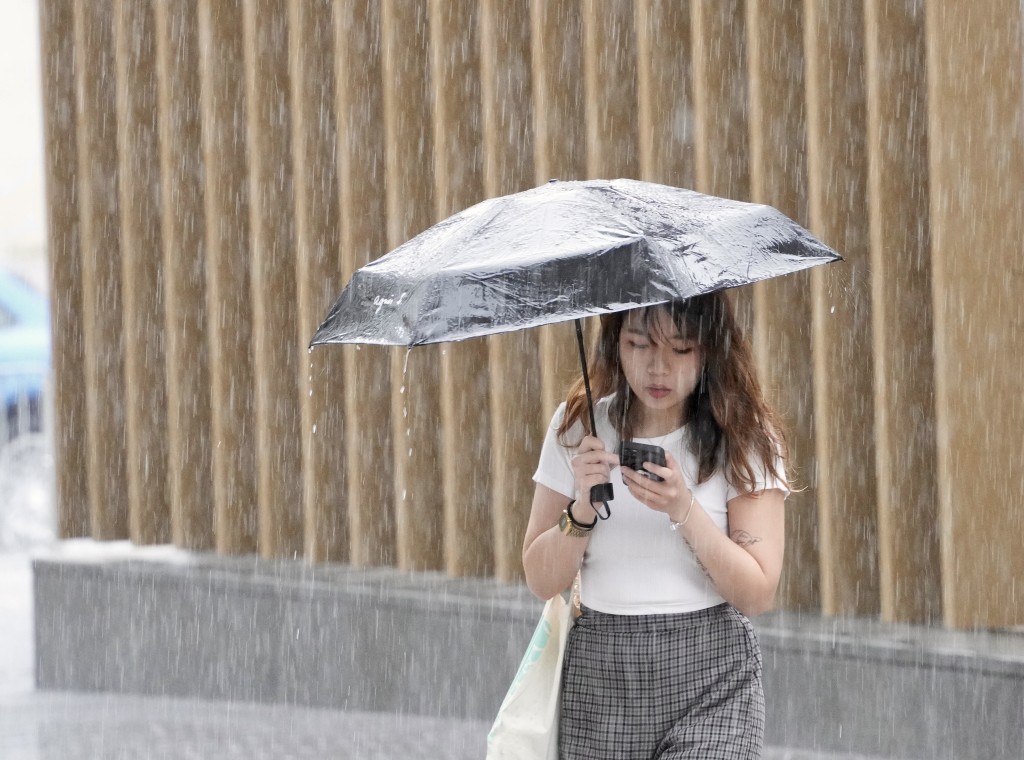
<point x="661" y="366"/>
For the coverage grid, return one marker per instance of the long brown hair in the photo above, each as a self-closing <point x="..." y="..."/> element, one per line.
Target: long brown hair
<point x="729" y="421"/>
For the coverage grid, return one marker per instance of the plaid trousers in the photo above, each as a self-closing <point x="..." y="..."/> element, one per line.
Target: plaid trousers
<point x="662" y="686"/>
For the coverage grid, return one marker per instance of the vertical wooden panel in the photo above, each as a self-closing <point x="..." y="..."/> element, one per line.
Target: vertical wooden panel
<point x="101" y="267"/>
<point x="410" y="210"/>
<point x="369" y="454"/>
<point x="559" y="118"/>
<point x="276" y="344"/>
<point x="515" y="387"/>
<point x="142" y="273"/>
<point x="190" y="477"/>
<point x="318" y="275"/>
<point x="57" y="32"/>
<point x="665" y="92"/>
<point x="720" y="111"/>
<point x="458" y="183"/>
<point x="841" y="308"/>
<point x="229" y="308"/>
<point x="609" y="52"/>
<point x="610" y="80"/>
<point x="976" y="161"/>
<point x="897" y="152"/>
<point x="720" y="98"/>
<point x="782" y="307"/>
<point x="556" y="61"/>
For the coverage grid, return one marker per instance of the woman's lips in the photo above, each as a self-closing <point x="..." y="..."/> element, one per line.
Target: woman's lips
<point x="658" y="391"/>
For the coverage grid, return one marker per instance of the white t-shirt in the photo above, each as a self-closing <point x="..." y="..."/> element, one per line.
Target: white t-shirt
<point x="635" y="564"/>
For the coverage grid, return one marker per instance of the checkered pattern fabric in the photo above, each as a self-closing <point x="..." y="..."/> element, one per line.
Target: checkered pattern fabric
<point x="662" y="686"/>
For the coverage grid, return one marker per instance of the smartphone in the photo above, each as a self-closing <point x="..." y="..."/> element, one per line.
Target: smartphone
<point x="633" y="455"/>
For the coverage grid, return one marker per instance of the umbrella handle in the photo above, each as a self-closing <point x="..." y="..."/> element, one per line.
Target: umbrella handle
<point x="603" y="493"/>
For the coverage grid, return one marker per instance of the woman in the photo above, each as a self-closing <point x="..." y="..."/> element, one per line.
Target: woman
<point x="662" y="662"/>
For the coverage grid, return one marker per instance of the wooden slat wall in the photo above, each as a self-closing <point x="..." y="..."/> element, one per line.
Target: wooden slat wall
<point x="507" y="105"/>
<point x="366" y="389"/>
<point x="138" y="153"/>
<point x="217" y="169"/>
<point x="464" y="377"/>
<point x="610" y="105"/>
<point x="841" y="308"/>
<point x="317" y="274"/>
<point x="718" y="45"/>
<point x="782" y="307"/>
<point x="183" y="229"/>
<point x="556" y="56"/>
<point x="720" y="107"/>
<point x="100" y="228"/>
<point x="228" y="272"/>
<point x="276" y="347"/>
<point x="63" y="234"/>
<point x="409" y="189"/>
<point x="976" y="184"/>
<point x="665" y="98"/>
<point x="904" y="431"/>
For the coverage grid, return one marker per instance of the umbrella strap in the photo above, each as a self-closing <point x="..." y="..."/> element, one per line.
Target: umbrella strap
<point x="603" y="493"/>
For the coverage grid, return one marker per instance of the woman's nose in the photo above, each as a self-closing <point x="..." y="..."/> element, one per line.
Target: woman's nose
<point x="659" y="363"/>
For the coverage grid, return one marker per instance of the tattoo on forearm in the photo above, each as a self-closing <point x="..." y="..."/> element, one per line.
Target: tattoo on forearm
<point x="700" y="564"/>
<point x="743" y="538"/>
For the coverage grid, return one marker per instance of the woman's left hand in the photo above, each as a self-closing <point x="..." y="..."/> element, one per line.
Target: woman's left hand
<point x="670" y="496"/>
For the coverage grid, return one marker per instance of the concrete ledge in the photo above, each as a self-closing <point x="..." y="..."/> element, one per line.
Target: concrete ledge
<point x="852" y="685"/>
<point x="162" y="622"/>
<point x="252" y="630"/>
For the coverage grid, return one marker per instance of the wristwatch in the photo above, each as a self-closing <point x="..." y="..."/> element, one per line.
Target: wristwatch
<point x="569" y="527"/>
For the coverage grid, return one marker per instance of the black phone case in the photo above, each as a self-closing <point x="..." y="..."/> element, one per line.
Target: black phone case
<point x="633" y="455"/>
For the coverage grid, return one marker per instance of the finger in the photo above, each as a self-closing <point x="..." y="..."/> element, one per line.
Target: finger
<point x="604" y="458"/>
<point x="592" y="478"/>
<point x="656" y="469"/>
<point x="640" y="484"/>
<point x="671" y="467"/>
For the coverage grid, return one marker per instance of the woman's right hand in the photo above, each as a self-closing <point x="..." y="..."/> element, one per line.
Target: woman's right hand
<point x="592" y="466"/>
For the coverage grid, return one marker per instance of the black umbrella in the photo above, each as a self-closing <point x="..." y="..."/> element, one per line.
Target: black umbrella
<point x="562" y="251"/>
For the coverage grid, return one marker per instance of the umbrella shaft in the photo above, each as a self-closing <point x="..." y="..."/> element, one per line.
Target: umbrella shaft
<point x="586" y="375"/>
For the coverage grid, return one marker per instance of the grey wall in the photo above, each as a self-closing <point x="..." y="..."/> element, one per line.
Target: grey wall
<point x="383" y="640"/>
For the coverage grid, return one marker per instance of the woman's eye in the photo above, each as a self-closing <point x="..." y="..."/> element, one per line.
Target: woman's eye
<point x="635" y="344"/>
<point x="684" y="351"/>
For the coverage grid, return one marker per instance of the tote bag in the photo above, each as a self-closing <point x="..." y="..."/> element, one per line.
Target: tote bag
<point x="527" y="724"/>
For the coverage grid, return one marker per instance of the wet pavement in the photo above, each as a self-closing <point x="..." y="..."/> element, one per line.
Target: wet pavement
<point x="64" y="726"/>
<point x="43" y="725"/>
